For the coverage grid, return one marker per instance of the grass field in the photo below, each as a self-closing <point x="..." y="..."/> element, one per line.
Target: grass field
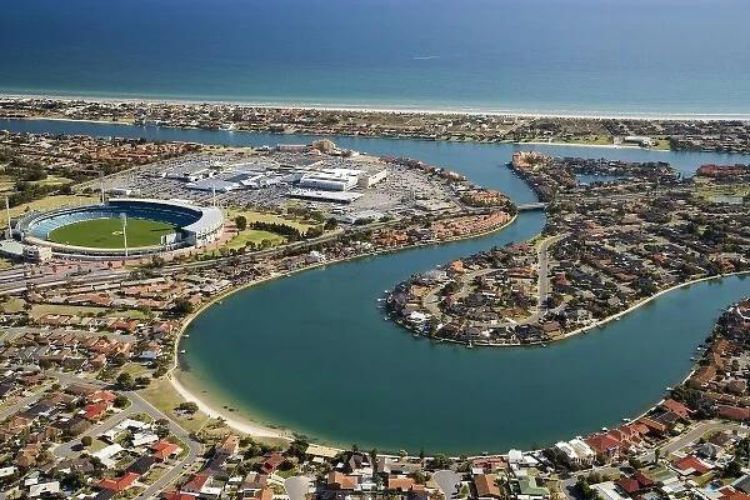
<point x="107" y="233"/>
<point x="162" y="395"/>
<point x="253" y="216"/>
<point x="255" y="236"/>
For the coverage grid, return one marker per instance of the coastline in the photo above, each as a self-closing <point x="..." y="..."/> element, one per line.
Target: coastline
<point x="596" y="324"/>
<point x="246" y="424"/>
<point x="388" y="109"/>
<point x="130" y="123"/>
<point x="647" y="300"/>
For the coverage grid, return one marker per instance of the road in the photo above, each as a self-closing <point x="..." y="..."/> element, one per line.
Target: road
<point x="543" y="258"/>
<point x="19" y="278"/>
<point x="66" y="450"/>
<point x="20" y="405"/>
<point x="448" y="481"/>
<point x="140" y="405"/>
<point x="697" y="432"/>
<point x="195" y="449"/>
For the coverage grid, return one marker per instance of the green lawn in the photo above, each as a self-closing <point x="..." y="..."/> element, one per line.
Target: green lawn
<point x="255" y="236"/>
<point x="162" y="395"/>
<point x="107" y="233"/>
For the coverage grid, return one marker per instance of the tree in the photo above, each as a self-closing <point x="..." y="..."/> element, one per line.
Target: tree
<point x="121" y="401"/>
<point x="183" y="306"/>
<point x="241" y="222"/>
<point x="142" y="381"/>
<point x="125" y="381"/>
<point x="188" y="407"/>
<point x="734" y="469"/>
<point x="86" y="441"/>
<point x="74" y="480"/>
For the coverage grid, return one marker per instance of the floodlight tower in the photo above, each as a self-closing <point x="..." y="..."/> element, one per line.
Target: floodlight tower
<point x="124" y="219"/>
<point x="102" y="196"/>
<point x="7" y="212"/>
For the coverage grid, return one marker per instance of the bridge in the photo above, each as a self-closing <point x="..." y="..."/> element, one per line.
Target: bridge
<point x="528" y="207"/>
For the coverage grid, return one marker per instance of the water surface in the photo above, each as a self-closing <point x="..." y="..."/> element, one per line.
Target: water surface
<point x="313" y="353"/>
<point x="644" y="57"/>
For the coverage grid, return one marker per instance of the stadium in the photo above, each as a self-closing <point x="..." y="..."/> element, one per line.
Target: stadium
<point x="122" y="227"/>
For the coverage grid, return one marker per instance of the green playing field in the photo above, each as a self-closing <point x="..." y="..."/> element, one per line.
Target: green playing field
<point x="107" y="233"/>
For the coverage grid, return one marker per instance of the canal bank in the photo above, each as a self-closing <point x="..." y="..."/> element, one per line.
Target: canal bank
<point x="313" y="353"/>
<point x="249" y="425"/>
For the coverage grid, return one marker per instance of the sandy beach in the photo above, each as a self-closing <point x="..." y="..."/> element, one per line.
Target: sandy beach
<point x="459" y="111"/>
<point x="245" y="424"/>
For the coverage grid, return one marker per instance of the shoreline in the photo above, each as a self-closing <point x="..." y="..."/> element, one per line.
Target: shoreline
<point x="246" y="424"/>
<point x="130" y="123"/>
<point x="647" y="300"/>
<point x="583" y="329"/>
<point x="388" y="109"/>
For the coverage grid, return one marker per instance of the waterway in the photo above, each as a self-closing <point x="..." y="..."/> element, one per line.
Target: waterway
<point x="313" y="353"/>
<point x="643" y="57"/>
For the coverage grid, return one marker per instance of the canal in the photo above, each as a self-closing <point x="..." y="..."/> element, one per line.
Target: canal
<point x="313" y="353"/>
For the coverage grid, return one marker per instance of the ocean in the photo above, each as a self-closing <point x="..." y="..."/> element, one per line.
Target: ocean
<point x="627" y="57"/>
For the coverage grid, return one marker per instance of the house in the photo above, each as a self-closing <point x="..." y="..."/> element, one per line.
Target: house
<point x="95" y="411"/>
<point x="635" y="485"/>
<point x="176" y="495"/>
<point x="733" y="412"/>
<point x="120" y="484"/>
<point x="604" y="445"/>
<point x="164" y="449"/>
<point x="142" y="465"/>
<point x="486" y="486"/>
<point x="264" y="494"/>
<point x="608" y="491"/>
<point x="195" y="484"/>
<point x="273" y="461"/>
<point x="340" y="481"/>
<point x="654" y="426"/>
<point x="230" y="445"/>
<point x="529" y="488"/>
<point x="253" y="483"/>
<point x="400" y="484"/>
<point x="102" y="396"/>
<point x="677" y="408"/>
<point x="691" y="465"/>
<point x="51" y="488"/>
<point x="729" y="493"/>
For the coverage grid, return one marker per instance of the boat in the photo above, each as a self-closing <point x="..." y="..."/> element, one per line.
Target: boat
<point x="182" y="351"/>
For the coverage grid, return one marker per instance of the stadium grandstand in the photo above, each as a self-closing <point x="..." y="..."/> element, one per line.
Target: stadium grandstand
<point x="122" y="227"/>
